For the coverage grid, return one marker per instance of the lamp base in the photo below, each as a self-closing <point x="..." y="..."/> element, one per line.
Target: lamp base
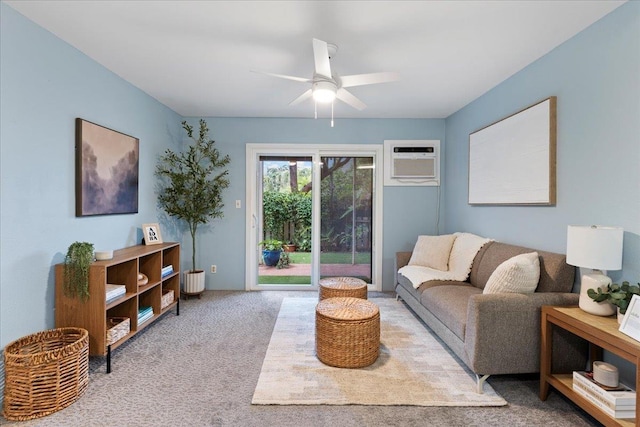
<point x="594" y="281"/>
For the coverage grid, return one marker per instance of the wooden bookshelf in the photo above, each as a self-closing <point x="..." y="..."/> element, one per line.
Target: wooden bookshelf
<point x="602" y="334"/>
<point x="122" y="269"/>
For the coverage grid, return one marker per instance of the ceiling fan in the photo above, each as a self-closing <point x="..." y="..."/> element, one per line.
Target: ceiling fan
<point x="326" y="85"/>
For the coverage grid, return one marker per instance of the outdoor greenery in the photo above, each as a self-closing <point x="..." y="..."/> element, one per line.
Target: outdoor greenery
<point x="76" y="269"/>
<point x="330" y="258"/>
<point x="191" y="182"/>
<point x="271" y="245"/>
<point x="281" y="208"/>
<point x="344" y="184"/>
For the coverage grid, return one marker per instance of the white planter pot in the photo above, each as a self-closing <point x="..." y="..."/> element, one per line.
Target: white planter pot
<point x="193" y="282"/>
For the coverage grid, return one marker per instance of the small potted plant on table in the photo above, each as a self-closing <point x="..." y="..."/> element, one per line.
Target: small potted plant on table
<point x="618" y="295"/>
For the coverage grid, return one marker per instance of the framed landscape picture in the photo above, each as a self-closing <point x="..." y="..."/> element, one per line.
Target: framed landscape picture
<point x="106" y="171"/>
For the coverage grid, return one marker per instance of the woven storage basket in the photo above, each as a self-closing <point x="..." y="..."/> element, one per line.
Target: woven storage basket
<point x="347" y="332"/>
<point x="167" y="298"/>
<point x="45" y="372"/>
<point x="331" y="287"/>
<point x="117" y="328"/>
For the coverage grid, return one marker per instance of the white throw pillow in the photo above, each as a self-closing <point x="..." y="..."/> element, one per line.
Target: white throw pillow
<point x="433" y="251"/>
<point x="518" y="274"/>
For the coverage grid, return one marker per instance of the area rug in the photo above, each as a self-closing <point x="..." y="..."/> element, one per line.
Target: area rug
<point x="413" y="367"/>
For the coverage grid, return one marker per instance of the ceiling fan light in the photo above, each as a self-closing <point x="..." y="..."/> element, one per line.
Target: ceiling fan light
<point x="324" y="92"/>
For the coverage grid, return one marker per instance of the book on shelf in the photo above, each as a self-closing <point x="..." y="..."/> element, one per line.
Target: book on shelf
<point x="583" y="390"/>
<point x="144" y="310"/>
<point x="144" y="319"/>
<point x="167" y="270"/>
<point x="114" y="292"/>
<point x="625" y="411"/>
<point x="144" y="314"/>
<point x="616" y="396"/>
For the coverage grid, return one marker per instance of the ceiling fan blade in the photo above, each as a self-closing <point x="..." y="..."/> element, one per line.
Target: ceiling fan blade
<point x="302" y="97"/>
<point x="368" y="79"/>
<point x="283" y="76"/>
<point x="348" y="98"/>
<point x="321" y="58"/>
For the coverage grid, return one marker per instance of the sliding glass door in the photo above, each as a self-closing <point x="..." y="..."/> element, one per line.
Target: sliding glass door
<point x="325" y="230"/>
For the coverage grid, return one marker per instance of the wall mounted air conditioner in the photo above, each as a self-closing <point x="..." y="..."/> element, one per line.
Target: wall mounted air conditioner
<point x="412" y="162"/>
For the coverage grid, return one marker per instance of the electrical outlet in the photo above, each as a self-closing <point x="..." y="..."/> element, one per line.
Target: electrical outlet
<point x="214" y="269"/>
<point x="238" y="204"/>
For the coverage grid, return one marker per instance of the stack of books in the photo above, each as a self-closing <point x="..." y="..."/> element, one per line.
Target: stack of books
<point x="167" y="270"/>
<point x="144" y="314"/>
<point x="114" y="292"/>
<point x="618" y="402"/>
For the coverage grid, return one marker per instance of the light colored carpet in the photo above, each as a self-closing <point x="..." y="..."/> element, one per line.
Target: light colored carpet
<point x="413" y="367"/>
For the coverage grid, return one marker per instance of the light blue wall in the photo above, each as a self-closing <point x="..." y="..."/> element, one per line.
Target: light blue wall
<point x="45" y="84"/>
<point x="408" y="211"/>
<point x="596" y="77"/>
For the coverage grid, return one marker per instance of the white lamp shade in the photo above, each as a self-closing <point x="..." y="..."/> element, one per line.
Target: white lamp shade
<point x="595" y="247"/>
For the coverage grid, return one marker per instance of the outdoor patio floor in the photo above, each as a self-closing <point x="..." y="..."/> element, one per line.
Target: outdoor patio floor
<point x="358" y="270"/>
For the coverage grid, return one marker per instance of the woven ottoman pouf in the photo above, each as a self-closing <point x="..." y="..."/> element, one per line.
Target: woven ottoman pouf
<point x="331" y="287"/>
<point x="347" y="332"/>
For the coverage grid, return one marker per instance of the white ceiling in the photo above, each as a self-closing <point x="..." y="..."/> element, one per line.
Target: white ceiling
<point x="196" y="56"/>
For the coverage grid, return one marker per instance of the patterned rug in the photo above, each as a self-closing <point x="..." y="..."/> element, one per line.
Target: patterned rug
<point x="413" y="368"/>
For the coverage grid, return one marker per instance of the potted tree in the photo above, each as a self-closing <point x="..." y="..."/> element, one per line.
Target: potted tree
<point x="190" y="189"/>
<point x="76" y="269"/>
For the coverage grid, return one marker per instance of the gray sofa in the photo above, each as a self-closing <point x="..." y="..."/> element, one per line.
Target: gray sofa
<point x="496" y="333"/>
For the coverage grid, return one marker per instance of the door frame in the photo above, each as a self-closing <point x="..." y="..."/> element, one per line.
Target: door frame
<point x="315" y="151"/>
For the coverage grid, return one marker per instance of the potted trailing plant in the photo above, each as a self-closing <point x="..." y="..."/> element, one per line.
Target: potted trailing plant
<point x="271" y="250"/>
<point x="76" y="269"/>
<point x="190" y="189"/>
<point x="618" y="295"/>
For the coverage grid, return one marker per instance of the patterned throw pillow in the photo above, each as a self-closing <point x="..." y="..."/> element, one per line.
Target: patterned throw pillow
<point x="433" y="251"/>
<point x="519" y="274"/>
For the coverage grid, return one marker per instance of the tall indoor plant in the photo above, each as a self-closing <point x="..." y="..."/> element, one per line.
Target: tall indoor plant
<point x="190" y="189"/>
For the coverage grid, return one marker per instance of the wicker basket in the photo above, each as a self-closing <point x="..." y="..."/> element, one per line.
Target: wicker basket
<point x="347" y="332"/>
<point x="331" y="287"/>
<point x="117" y="328"/>
<point x="45" y="372"/>
<point x="167" y="298"/>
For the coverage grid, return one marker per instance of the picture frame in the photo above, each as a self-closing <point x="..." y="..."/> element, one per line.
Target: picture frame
<point x="107" y="170"/>
<point x="151" y="233"/>
<point x="513" y="161"/>
<point x="631" y="322"/>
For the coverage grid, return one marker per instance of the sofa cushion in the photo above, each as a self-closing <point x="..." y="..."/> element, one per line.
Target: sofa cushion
<point x="519" y="274"/>
<point x="449" y="304"/>
<point x="417" y="292"/>
<point x="555" y="274"/>
<point x="433" y="251"/>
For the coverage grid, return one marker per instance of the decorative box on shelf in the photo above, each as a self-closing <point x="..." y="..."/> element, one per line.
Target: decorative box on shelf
<point x="117" y="328"/>
<point x="167" y="298"/>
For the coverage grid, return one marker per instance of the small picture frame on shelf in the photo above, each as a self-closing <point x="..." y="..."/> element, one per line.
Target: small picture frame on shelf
<point x="151" y="234"/>
<point x="631" y="323"/>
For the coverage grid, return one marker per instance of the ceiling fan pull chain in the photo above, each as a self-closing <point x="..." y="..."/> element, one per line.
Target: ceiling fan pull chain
<point x="332" y="114"/>
<point x="315" y="108"/>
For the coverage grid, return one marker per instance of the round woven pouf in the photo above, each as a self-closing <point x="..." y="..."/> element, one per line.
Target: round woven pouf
<point x="331" y="287"/>
<point x="347" y="332"/>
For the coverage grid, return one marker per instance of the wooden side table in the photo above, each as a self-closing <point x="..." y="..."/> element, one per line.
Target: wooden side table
<point x="602" y="334"/>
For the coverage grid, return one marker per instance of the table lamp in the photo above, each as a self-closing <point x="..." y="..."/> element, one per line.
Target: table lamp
<point x="598" y="248"/>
